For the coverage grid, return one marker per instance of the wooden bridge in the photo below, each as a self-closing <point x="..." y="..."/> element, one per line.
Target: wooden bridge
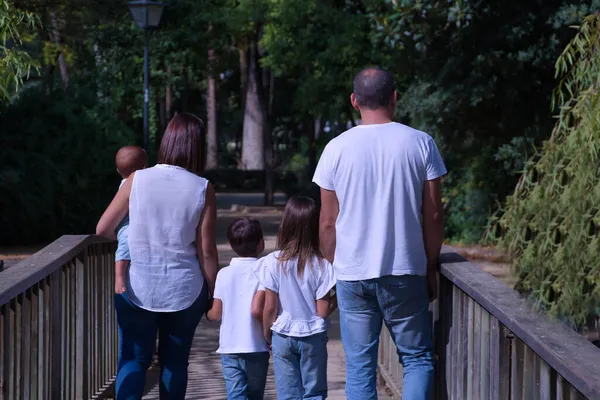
<point x="59" y="341"/>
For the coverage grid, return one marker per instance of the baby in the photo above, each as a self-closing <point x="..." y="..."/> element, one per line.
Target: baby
<point x="129" y="159"/>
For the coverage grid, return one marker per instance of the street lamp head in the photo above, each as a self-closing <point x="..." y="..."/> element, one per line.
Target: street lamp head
<point x="146" y="13"/>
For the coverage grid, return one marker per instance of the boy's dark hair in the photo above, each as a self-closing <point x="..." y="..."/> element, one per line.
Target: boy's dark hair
<point x="244" y="236"/>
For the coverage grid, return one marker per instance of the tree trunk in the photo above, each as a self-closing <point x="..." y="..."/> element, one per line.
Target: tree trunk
<point x="254" y="123"/>
<point x="212" y="156"/>
<point x="62" y="62"/>
<point x="267" y="106"/>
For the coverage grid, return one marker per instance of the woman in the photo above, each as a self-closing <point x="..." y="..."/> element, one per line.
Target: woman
<point x="172" y="213"/>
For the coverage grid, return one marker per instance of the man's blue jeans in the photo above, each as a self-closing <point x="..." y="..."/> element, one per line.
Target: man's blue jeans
<point x="300" y="366"/>
<point x="137" y="337"/>
<point x="245" y="375"/>
<point x="401" y="302"/>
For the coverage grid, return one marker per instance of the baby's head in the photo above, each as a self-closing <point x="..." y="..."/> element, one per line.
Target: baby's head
<point x="246" y="237"/>
<point x="129" y="159"/>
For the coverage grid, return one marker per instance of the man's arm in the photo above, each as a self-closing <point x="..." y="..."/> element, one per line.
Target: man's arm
<point x="433" y="229"/>
<point x="330" y="209"/>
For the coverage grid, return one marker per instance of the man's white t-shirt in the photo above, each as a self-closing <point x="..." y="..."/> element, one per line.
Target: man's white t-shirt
<point x="297" y="312"/>
<point x="378" y="173"/>
<point x="236" y="286"/>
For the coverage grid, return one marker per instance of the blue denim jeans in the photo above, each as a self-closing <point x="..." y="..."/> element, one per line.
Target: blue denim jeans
<point x="401" y="302"/>
<point x="300" y="366"/>
<point x="245" y="375"/>
<point x="137" y="340"/>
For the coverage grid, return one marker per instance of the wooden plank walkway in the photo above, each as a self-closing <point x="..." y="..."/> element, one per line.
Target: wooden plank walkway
<point x="206" y="380"/>
<point x="205" y="375"/>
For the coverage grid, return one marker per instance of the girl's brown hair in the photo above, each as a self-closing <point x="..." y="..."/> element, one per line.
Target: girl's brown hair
<point x="298" y="234"/>
<point x="183" y="143"/>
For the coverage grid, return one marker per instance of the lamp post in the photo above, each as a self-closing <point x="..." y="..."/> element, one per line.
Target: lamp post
<point x="146" y="15"/>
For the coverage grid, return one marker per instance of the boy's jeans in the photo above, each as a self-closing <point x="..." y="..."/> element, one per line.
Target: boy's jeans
<point x="402" y="303"/>
<point x="300" y="366"/>
<point x="245" y="375"/>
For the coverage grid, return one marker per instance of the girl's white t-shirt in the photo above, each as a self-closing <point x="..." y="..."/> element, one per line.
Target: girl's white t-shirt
<point x="297" y="315"/>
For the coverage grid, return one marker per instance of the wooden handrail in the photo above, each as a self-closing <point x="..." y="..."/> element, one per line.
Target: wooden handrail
<point x="26" y="273"/>
<point x="567" y="352"/>
<point x="58" y="330"/>
<point x="492" y="344"/>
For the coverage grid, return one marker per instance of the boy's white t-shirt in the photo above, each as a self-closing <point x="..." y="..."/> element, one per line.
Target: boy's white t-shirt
<point x="236" y="286"/>
<point x="297" y="315"/>
<point x="378" y="173"/>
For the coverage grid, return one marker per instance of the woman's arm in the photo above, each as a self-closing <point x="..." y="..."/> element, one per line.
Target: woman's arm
<point x="116" y="211"/>
<point x="205" y="240"/>
<point x="216" y="312"/>
<point x="269" y="313"/>
<point x="258" y="304"/>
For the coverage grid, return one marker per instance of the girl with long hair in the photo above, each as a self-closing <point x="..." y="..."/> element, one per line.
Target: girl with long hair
<point x="298" y="282"/>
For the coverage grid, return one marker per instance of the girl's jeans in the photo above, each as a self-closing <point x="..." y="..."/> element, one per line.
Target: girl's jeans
<point x="300" y="366"/>
<point x="137" y="336"/>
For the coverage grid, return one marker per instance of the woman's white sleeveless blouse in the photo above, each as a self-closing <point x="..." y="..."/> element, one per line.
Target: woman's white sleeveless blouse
<point x="165" y="207"/>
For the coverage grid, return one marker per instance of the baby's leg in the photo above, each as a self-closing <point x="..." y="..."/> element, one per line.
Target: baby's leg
<point x="120" y="276"/>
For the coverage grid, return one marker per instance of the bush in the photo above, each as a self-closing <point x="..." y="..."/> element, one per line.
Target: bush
<point x="57" y="171"/>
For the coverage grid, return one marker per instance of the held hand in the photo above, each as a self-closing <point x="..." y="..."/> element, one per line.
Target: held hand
<point x="209" y="307"/>
<point x="268" y="338"/>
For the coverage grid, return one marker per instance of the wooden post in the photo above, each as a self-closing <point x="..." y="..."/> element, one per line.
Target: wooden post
<point x="81" y="376"/>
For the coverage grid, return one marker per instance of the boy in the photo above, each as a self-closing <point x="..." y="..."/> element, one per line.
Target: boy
<point x="238" y="302"/>
<point x="128" y="159"/>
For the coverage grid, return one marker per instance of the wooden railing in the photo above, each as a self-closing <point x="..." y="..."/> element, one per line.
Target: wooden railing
<point x="58" y="332"/>
<point x="491" y="344"/>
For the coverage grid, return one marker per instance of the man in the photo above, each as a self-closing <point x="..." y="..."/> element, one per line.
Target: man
<point x="381" y="226"/>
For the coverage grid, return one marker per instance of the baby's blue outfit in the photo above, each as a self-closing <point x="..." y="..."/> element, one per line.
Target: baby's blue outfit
<point x="122" y="237"/>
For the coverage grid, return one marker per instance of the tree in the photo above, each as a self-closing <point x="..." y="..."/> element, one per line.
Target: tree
<point x="551" y="224"/>
<point x="15" y="63"/>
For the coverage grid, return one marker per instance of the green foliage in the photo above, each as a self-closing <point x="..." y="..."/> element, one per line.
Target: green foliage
<point x="15" y="63"/>
<point x="551" y="224"/>
<point x="57" y="171"/>
<point x="476" y="75"/>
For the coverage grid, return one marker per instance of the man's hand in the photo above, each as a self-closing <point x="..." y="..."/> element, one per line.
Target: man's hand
<point x="432" y="285"/>
<point x="432" y="281"/>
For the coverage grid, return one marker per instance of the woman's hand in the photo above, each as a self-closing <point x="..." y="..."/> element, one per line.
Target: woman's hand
<point x="116" y="211"/>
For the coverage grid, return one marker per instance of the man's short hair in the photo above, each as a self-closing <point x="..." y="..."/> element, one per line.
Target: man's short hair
<point x="374" y="88"/>
<point x="244" y="236"/>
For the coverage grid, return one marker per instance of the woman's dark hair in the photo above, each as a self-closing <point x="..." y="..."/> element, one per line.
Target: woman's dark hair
<point x="244" y="236"/>
<point x="183" y="143"/>
<point x="298" y="234"/>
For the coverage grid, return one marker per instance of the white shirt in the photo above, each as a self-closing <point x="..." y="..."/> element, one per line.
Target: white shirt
<point x="165" y="207"/>
<point x="236" y="286"/>
<point x="297" y="312"/>
<point x="378" y="173"/>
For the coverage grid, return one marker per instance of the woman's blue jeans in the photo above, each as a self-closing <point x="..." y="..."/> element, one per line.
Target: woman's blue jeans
<point x="137" y="335"/>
